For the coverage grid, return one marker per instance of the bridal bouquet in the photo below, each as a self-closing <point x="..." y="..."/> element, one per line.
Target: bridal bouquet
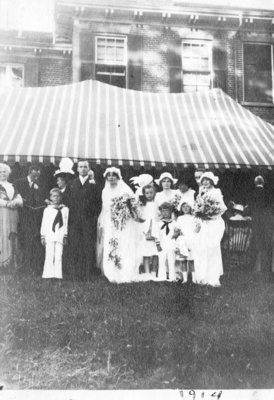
<point x="207" y="208"/>
<point x="123" y="208"/>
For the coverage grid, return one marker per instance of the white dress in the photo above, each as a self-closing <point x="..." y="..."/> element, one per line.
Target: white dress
<point x="207" y="246"/>
<point x="186" y="223"/>
<point x="126" y="267"/>
<point x="149" y="213"/>
<point x="187" y="197"/>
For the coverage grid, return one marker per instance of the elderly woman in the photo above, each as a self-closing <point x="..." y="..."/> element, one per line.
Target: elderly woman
<point x="10" y="200"/>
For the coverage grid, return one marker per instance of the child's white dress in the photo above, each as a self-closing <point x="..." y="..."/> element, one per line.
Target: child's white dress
<point x="149" y="213"/>
<point x="186" y="224"/>
<point x="54" y="240"/>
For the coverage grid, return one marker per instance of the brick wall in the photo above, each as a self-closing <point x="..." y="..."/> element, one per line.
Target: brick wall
<point x="54" y="72"/>
<point x="155" y="76"/>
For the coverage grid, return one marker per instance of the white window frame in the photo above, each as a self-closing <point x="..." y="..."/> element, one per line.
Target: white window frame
<point x="272" y="73"/>
<point x="124" y="38"/>
<point x="210" y="58"/>
<point x="14" y="65"/>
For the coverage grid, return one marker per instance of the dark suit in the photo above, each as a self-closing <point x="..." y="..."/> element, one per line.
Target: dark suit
<point x="84" y="207"/>
<point x="260" y="202"/>
<point x="30" y="217"/>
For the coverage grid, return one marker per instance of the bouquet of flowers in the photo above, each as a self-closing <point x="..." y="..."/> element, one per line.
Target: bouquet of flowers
<point x="123" y="208"/>
<point x="176" y="201"/>
<point x="113" y="254"/>
<point x="207" y="208"/>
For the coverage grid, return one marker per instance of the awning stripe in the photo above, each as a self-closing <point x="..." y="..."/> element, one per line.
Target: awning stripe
<point x="48" y="122"/>
<point x="117" y="126"/>
<point x="242" y="133"/>
<point x="107" y="124"/>
<point x="9" y="117"/>
<point x="127" y="133"/>
<point x="166" y="139"/>
<point x="233" y="147"/>
<point x="37" y="126"/>
<point x="180" y="143"/>
<point x="236" y="133"/>
<point x="147" y="133"/>
<point x="202" y="130"/>
<point x="156" y="137"/>
<point x="201" y="105"/>
<point x="220" y="130"/>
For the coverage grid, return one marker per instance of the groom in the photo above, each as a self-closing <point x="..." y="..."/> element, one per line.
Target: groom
<point x="84" y="207"/>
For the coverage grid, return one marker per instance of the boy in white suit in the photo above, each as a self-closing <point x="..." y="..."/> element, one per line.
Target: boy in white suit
<point x="54" y="231"/>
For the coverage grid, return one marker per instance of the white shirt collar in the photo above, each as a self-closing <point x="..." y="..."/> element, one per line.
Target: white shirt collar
<point x="83" y="179"/>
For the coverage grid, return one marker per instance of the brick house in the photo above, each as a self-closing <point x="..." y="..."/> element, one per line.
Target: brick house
<point x="158" y="46"/>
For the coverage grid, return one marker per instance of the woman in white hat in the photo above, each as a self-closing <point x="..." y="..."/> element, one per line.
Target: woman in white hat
<point x="166" y="183"/>
<point x="62" y="176"/>
<point x="116" y="249"/>
<point x="207" y="253"/>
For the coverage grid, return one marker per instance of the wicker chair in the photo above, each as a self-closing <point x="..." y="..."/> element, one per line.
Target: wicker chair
<point x="236" y="243"/>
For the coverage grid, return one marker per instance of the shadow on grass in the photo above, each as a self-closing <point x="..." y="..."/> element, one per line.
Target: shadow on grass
<point x="97" y="335"/>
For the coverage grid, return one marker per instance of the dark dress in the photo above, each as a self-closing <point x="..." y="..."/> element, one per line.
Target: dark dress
<point x="30" y="218"/>
<point x="84" y="206"/>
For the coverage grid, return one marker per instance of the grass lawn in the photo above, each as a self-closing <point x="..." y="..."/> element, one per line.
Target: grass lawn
<point x="149" y="335"/>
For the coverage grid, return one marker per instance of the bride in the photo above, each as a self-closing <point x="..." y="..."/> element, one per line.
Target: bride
<point x="116" y="248"/>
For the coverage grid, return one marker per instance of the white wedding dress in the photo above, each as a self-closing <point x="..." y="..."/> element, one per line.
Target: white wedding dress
<point x="207" y="247"/>
<point x="127" y="268"/>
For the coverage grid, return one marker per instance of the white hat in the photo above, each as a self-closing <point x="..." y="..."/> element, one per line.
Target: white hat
<point x="114" y="170"/>
<point x="141" y="181"/>
<point x="239" y="207"/>
<point x="211" y="176"/>
<point x="65" y="167"/>
<point x="166" y="175"/>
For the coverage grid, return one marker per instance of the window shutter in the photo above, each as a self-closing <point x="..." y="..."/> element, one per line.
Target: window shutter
<point x="135" y="62"/>
<point x="87" y="55"/>
<point x="31" y="73"/>
<point x="219" y="68"/>
<point x="175" y="65"/>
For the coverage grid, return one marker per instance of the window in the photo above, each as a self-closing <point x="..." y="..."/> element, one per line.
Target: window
<point x="111" y="59"/>
<point x="258" y="73"/>
<point x="11" y="75"/>
<point x="196" y="65"/>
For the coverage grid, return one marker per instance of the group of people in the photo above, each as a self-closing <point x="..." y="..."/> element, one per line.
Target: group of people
<point x="128" y="235"/>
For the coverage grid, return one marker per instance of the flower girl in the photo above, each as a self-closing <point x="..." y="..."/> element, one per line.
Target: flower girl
<point x="149" y="214"/>
<point x="186" y="225"/>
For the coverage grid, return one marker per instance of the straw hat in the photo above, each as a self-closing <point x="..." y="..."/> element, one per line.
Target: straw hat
<point x="166" y="206"/>
<point x="239" y="207"/>
<point x="211" y="176"/>
<point x="166" y="175"/>
<point x="65" y="167"/>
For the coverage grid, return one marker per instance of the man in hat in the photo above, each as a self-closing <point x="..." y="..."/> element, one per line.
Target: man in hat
<point x="85" y="205"/>
<point x="30" y="217"/>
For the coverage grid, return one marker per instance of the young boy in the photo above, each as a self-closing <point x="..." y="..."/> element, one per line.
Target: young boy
<point x="54" y="230"/>
<point x="164" y="233"/>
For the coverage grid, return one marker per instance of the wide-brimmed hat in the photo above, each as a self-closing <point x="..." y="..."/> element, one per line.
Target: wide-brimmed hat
<point x="238" y="207"/>
<point x="65" y="167"/>
<point x="211" y="176"/>
<point x="166" y="175"/>
<point x="141" y="181"/>
<point x="113" y="170"/>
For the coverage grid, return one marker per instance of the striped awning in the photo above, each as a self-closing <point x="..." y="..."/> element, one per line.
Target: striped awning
<point x="107" y="124"/>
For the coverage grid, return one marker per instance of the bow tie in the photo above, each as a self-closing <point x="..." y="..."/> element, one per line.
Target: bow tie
<point x="58" y="219"/>
<point x="165" y="225"/>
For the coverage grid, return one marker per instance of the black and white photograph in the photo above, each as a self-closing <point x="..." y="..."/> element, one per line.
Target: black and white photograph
<point x="137" y="198"/>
